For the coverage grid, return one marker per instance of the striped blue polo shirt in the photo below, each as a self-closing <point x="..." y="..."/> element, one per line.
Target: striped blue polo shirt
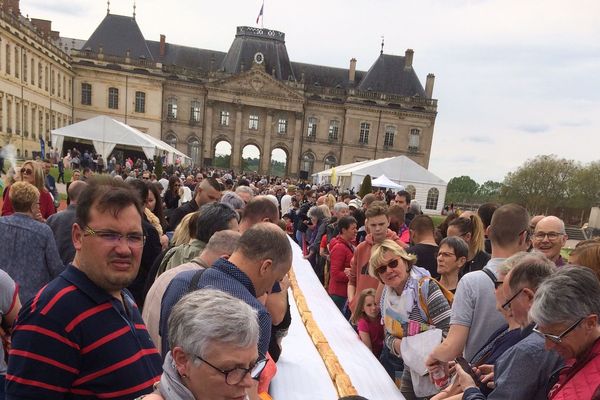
<point x="73" y="340"/>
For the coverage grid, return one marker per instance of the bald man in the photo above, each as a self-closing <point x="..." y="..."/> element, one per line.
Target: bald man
<point x="61" y="223"/>
<point x="207" y="191"/>
<point x="549" y="238"/>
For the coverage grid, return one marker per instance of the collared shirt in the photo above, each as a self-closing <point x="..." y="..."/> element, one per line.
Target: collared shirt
<point x="73" y="340"/>
<point x="29" y="253"/>
<point x="224" y="276"/>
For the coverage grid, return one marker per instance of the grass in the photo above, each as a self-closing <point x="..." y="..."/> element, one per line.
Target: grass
<point x="437" y="219"/>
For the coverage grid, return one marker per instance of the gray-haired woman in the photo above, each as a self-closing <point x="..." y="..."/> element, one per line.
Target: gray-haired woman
<point x="566" y="309"/>
<point x="213" y="339"/>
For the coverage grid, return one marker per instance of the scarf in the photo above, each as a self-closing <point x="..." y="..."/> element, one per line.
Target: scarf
<point x="396" y="308"/>
<point x="171" y="387"/>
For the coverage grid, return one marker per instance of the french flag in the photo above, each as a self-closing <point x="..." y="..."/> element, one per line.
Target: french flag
<point x="260" y="14"/>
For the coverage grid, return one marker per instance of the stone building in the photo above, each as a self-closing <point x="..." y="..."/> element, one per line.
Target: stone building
<point x="36" y="81"/>
<point x="253" y="95"/>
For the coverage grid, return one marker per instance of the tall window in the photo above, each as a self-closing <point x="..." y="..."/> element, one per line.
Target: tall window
<point x="7" y="58"/>
<point x="32" y="71"/>
<point x="53" y="82"/>
<point x="413" y="140"/>
<point x="330" y="162"/>
<point x="59" y="86"/>
<point x="334" y="128"/>
<point x="46" y="78"/>
<point x="432" y="199"/>
<point x="365" y="127"/>
<point x="172" y="108"/>
<point x="64" y="87"/>
<point x="308" y="161"/>
<point x="282" y="126"/>
<point x="195" y="111"/>
<point x="194" y="150"/>
<point x="140" y="102"/>
<point x="311" y="132"/>
<point x="390" y="132"/>
<point x="25" y="68"/>
<point x="17" y="63"/>
<point x="25" y="121"/>
<point x="40" y="75"/>
<point x="253" y="122"/>
<point x="224" y="118"/>
<point x="86" y="94"/>
<point x="113" y="98"/>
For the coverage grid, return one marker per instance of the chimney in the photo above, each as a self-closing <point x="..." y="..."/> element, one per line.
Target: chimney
<point x="161" y="51"/>
<point x="408" y="58"/>
<point x="429" y="86"/>
<point x="352" y="71"/>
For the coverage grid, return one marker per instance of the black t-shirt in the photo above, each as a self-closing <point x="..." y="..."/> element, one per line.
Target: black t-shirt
<point x="426" y="257"/>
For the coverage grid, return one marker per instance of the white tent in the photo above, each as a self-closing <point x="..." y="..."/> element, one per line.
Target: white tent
<point x="385" y="182"/>
<point x="105" y="133"/>
<point x="426" y="188"/>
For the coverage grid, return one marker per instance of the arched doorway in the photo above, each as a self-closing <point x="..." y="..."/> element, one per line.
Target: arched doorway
<point x="194" y="150"/>
<point x="171" y="139"/>
<point x="250" y="158"/>
<point x="278" y="162"/>
<point x="330" y="161"/>
<point x="222" y="154"/>
<point x="308" y="162"/>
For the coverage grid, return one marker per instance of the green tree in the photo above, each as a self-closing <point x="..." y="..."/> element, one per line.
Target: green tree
<point x="585" y="186"/>
<point x="222" y="161"/>
<point x="489" y="191"/>
<point x="541" y="184"/>
<point x="365" y="187"/>
<point x="461" y="189"/>
<point x="158" y="167"/>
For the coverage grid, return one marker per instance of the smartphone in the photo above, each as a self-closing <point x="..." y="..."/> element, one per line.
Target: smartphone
<point x="468" y="368"/>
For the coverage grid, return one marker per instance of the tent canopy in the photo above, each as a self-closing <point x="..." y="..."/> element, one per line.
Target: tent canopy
<point x="385" y="182"/>
<point x="105" y="133"/>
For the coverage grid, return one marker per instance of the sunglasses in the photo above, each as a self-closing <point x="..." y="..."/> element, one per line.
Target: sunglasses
<point x="27" y="171"/>
<point x="381" y="269"/>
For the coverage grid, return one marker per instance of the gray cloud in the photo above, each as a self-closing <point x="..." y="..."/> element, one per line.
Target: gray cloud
<point x="533" y="128"/>
<point x="480" y="139"/>
<point x="574" y="124"/>
<point x="69" y="8"/>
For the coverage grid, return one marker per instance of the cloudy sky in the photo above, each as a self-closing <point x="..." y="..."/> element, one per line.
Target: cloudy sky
<point x="514" y="78"/>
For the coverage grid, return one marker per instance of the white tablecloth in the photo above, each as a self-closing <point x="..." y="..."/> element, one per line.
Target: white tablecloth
<point x="301" y="372"/>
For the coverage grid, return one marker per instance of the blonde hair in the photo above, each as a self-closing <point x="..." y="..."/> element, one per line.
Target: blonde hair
<point x="588" y="255"/>
<point x="38" y="174"/>
<point x="330" y="201"/>
<point x="326" y="210"/>
<point x="378" y="253"/>
<point x="182" y="232"/>
<point x="23" y="195"/>
<point x="359" y="311"/>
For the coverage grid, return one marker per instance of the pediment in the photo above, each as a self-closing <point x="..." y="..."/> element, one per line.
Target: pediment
<point x="257" y="83"/>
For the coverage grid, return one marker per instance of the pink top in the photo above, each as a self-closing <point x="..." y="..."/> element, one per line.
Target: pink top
<point x="375" y="330"/>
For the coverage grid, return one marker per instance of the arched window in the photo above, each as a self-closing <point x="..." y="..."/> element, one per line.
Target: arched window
<point x="194" y="150"/>
<point x="432" y="199"/>
<point x="413" y="192"/>
<point x="330" y="161"/>
<point x="171" y="139"/>
<point x="308" y="161"/>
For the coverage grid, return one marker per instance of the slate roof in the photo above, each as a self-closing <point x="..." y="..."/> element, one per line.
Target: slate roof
<point x="388" y="75"/>
<point x="117" y="34"/>
<point x="248" y="41"/>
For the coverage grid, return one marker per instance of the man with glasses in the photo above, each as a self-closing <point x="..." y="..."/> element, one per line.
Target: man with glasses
<point x="549" y="238"/>
<point x="524" y="370"/>
<point x="474" y="315"/>
<point x="82" y="335"/>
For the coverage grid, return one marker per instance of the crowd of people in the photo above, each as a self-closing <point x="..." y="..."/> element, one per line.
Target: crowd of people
<point x="176" y="287"/>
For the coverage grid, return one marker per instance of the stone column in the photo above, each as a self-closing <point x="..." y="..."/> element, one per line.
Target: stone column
<point x="295" y="157"/>
<point x="236" y="158"/>
<point x="265" y="160"/>
<point x="207" y="131"/>
<point x="2" y="57"/>
<point x="4" y="113"/>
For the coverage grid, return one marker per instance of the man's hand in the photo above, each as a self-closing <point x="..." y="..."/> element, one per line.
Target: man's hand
<point x="464" y="379"/>
<point x="486" y="373"/>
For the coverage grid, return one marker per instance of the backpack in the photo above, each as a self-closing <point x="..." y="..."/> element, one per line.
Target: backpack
<point x="423" y="288"/>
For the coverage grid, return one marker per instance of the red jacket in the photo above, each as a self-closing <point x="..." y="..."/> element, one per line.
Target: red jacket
<point x="340" y="255"/>
<point x="580" y="381"/>
<point x="46" y="204"/>
<point x="359" y="266"/>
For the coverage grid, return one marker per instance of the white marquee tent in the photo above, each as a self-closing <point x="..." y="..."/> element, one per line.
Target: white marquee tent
<point x="106" y="133"/>
<point x="426" y="188"/>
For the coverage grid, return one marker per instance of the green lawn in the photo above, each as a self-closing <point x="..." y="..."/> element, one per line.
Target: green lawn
<point x="437" y="219"/>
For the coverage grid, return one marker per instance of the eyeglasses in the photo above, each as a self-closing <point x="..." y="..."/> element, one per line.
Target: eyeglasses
<point x="381" y="269"/>
<point x="27" y="171"/>
<point x="145" y="178"/>
<point x="506" y="306"/>
<point x="552" y="236"/>
<point x="236" y="375"/>
<point x="497" y="284"/>
<point x="134" y="240"/>
<point x="558" y="339"/>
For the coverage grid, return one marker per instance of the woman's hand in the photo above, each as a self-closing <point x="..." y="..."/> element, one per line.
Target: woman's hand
<point x="397" y="342"/>
<point x="486" y="374"/>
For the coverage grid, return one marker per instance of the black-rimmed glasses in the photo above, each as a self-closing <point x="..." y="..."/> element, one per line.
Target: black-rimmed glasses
<point x="236" y="375"/>
<point x="506" y="306"/>
<point x="558" y="339"/>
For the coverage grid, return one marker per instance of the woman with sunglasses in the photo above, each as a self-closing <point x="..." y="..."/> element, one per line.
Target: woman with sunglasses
<point x="32" y="172"/>
<point x="566" y="310"/>
<point x="411" y="301"/>
<point x="213" y="339"/>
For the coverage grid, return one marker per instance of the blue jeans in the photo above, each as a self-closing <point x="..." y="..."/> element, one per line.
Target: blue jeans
<point x="392" y="364"/>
